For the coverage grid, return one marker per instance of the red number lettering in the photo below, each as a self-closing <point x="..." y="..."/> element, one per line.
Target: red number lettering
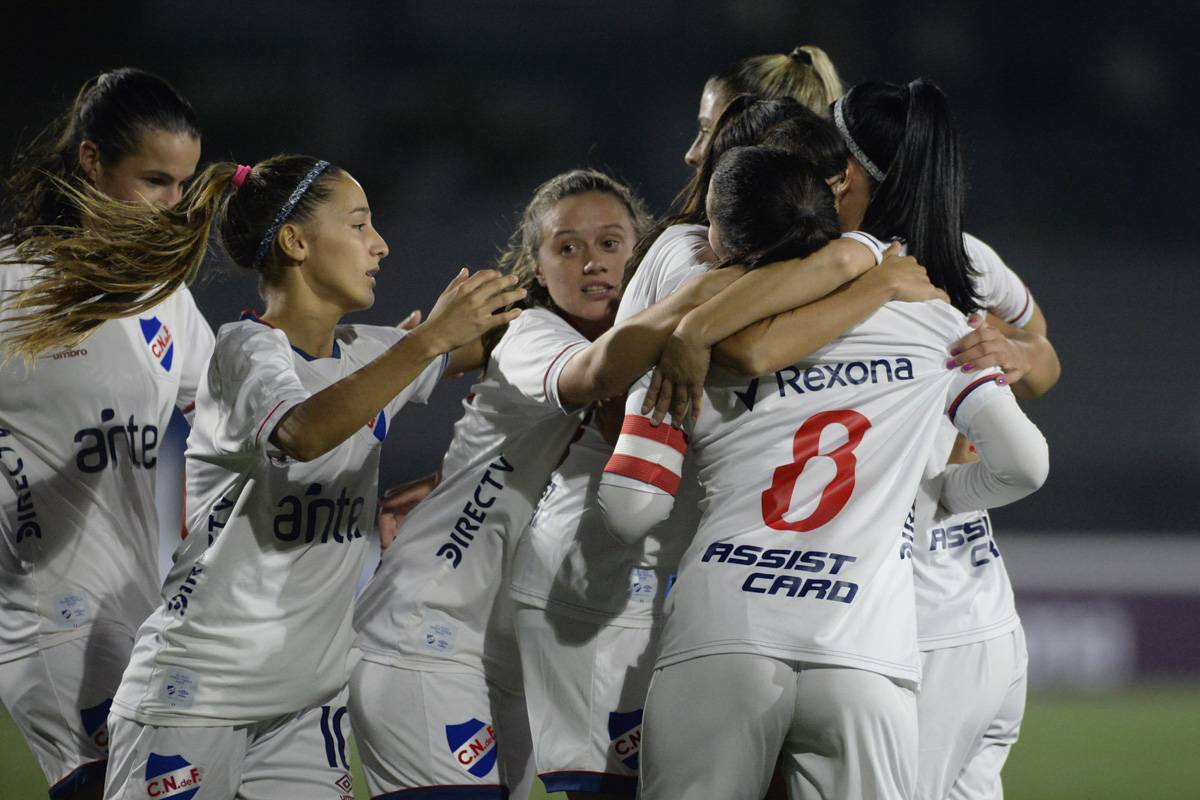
<point x="777" y="499"/>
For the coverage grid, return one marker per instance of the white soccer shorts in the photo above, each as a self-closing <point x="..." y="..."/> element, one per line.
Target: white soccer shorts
<point x="305" y="754"/>
<point x="59" y="698"/>
<point x="969" y="711"/>
<point x="433" y="734"/>
<point x="715" y="725"/>
<point x="585" y="685"/>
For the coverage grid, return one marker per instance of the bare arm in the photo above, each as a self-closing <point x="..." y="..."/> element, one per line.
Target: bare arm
<point x="773" y="343"/>
<point x="334" y="414"/>
<point x="609" y="365"/>
<point x="779" y="287"/>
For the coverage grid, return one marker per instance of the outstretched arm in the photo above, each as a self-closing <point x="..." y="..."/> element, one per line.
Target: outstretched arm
<point x="464" y="312"/>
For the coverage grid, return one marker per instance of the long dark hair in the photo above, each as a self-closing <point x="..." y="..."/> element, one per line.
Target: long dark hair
<point x="113" y="110"/>
<point x="908" y="134"/>
<point x="768" y="205"/>
<point x="812" y="139"/>
<point x="131" y="256"/>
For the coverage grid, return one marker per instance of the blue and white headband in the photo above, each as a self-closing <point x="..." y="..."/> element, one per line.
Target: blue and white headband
<point x="268" y="239"/>
<point x="839" y="119"/>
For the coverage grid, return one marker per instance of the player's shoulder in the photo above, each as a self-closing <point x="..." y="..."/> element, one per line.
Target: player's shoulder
<point x="932" y="323"/>
<point x="983" y="256"/>
<point x="677" y="246"/>
<point x="246" y="336"/>
<point x="535" y="321"/>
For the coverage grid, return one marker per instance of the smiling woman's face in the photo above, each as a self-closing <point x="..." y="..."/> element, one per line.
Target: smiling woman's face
<point x="586" y="241"/>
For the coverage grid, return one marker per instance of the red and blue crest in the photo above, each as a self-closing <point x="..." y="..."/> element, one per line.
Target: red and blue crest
<point x="625" y="731"/>
<point x="95" y="723"/>
<point x="158" y="339"/>
<point x="171" y="777"/>
<point x="378" y="425"/>
<point x="473" y="745"/>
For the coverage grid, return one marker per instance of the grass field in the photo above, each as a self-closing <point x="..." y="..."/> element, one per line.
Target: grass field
<point x="1132" y="745"/>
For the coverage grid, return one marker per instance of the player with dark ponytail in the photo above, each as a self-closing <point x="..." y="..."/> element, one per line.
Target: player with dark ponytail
<point x="80" y="426"/>
<point x="904" y="178"/>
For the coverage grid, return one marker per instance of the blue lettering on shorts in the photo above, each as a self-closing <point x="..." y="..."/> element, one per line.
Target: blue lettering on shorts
<point x="625" y="732"/>
<point x="473" y="746"/>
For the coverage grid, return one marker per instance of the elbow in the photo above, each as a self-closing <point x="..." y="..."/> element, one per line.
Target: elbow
<point x="1034" y="469"/>
<point x="629" y="514"/>
<point x="287" y="439"/>
<point x="742" y="361"/>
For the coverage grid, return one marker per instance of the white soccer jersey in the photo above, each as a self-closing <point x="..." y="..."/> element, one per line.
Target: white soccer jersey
<point x="255" y="621"/>
<point x="567" y="559"/>
<point x="963" y="590"/>
<point x="810" y="474"/>
<point x="79" y="437"/>
<point x="439" y="600"/>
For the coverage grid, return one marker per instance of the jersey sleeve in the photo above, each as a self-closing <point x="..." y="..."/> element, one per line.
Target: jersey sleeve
<point x="637" y="489"/>
<point x="679" y="253"/>
<point x="254" y="384"/>
<point x="1014" y="458"/>
<point x="533" y="354"/>
<point x="196" y="338"/>
<point x="998" y="286"/>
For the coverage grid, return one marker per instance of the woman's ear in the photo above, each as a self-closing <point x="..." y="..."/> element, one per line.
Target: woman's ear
<point x="538" y="276"/>
<point x="89" y="160"/>
<point x="292" y="242"/>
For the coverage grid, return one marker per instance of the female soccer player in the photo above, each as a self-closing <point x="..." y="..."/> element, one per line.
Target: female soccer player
<point x="792" y="616"/>
<point x="806" y="75"/>
<point x="80" y="429"/>
<point x="436" y="702"/>
<point x="917" y="193"/>
<point x="238" y="679"/>
<point x="590" y="612"/>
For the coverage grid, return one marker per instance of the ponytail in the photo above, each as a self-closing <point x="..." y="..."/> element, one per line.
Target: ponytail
<point x="125" y="258"/>
<point x="806" y="75"/>
<point x="770" y="206"/>
<point x="122" y="260"/>
<point x="909" y="136"/>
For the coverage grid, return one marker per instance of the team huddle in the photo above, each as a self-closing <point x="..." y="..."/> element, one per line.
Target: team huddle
<point x="713" y="523"/>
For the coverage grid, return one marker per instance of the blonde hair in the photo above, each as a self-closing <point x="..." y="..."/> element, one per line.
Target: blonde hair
<point x="806" y="75"/>
<point x="125" y="258"/>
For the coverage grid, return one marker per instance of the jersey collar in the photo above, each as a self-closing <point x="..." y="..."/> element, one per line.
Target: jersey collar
<point x="252" y="315"/>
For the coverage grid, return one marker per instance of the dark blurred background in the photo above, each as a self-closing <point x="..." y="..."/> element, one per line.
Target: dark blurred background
<point x="1076" y="118"/>
<point x="1080" y="135"/>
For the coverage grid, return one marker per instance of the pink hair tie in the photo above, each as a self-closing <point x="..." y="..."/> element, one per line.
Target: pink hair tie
<point x="239" y="175"/>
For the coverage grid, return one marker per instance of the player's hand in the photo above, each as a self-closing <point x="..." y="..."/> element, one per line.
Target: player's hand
<point x="904" y="278"/>
<point x="987" y="347"/>
<point x="470" y="306"/>
<point x="677" y="384"/>
<point x="411" y="321"/>
<point x="396" y="504"/>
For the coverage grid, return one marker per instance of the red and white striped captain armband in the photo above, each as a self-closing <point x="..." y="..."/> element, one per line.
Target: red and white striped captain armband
<point x="652" y="454"/>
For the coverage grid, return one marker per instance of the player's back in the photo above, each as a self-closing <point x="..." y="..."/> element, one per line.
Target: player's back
<point x="809" y="476"/>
